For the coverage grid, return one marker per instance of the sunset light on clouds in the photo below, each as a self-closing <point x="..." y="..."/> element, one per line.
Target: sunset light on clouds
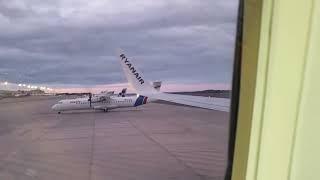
<point x="164" y="87"/>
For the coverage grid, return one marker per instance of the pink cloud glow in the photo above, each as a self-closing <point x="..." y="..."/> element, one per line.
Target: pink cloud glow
<point x="165" y="87"/>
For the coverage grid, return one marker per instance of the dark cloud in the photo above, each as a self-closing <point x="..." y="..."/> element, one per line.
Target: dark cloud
<point x="75" y="41"/>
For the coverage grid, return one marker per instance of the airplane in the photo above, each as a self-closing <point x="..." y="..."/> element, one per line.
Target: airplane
<point x="146" y="93"/>
<point x="137" y="82"/>
<point x="104" y="101"/>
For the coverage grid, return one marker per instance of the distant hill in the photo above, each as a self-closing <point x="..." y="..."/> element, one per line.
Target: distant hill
<point x="207" y="93"/>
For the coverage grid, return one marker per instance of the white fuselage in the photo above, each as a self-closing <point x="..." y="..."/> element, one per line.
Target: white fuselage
<point x="109" y="103"/>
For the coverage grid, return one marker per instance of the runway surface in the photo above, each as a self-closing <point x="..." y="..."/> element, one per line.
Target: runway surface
<point x="155" y="141"/>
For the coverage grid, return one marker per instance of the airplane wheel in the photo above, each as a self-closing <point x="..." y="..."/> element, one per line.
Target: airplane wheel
<point x="59" y="112"/>
<point x="105" y="110"/>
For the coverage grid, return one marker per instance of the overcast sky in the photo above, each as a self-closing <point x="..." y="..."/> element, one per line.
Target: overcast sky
<point x="74" y="42"/>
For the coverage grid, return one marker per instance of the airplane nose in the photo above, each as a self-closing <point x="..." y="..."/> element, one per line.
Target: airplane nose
<point x="54" y="107"/>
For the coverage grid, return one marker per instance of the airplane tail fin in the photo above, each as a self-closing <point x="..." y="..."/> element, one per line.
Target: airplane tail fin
<point x="134" y="76"/>
<point x="123" y="92"/>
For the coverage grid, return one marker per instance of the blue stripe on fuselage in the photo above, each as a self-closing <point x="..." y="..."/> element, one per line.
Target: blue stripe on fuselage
<point x="139" y="101"/>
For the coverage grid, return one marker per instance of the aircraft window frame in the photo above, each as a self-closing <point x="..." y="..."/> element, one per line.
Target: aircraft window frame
<point x="235" y="91"/>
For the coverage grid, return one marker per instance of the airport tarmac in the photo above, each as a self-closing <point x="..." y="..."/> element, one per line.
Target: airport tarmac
<point x="154" y="141"/>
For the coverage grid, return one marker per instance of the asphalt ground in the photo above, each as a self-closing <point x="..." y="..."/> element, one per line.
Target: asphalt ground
<point x="154" y="141"/>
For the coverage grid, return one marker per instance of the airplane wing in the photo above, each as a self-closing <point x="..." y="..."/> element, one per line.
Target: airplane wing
<point x="220" y="104"/>
<point x="138" y="82"/>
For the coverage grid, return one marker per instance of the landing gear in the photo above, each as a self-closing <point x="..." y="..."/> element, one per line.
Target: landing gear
<point x="105" y="110"/>
<point x="59" y="112"/>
